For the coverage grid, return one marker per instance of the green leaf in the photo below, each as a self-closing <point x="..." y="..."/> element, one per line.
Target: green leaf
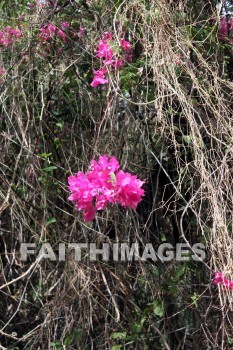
<point x="60" y="125"/>
<point x="50" y="168"/>
<point x="68" y="340"/>
<point x="187" y="139"/>
<point x="119" y="335"/>
<point x="195" y="298"/>
<point x="45" y="155"/>
<point x="50" y="221"/>
<point x="136" y="327"/>
<point x="158" y="308"/>
<point x="57" y="345"/>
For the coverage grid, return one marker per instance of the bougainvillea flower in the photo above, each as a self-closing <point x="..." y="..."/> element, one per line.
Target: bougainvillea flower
<point x="107" y="36"/>
<point x="225" y="27"/>
<point x="89" y="214"/>
<point x="81" y="31"/>
<point x="104" y="50"/>
<point x="65" y="25"/>
<point x="118" y="63"/>
<point x="129" y="190"/>
<point x="13" y="32"/>
<point x="223" y="281"/>
<point x="98" y="81"/>
<point x="99" y="77"/>
<point x="51" y="28"/>
<point x="9" y="35"/>
<point x="105" y="163"/>
<point x="126" y="46"/>
<point x="47" y="31"/>
<point x="2" y="71"/>
<point x="114" y="63"/>
<point x="103" y="184"/>
<point x="111" y="55"/>
<point x="61" y="34"/>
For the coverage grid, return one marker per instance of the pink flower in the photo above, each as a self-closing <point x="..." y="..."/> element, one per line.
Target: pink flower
<point x="110" y="56"/>
<point x="104" y="50"/>
<point x="51" y="28"/>
<point x="107" y="36"/>
<point x="2" y="71"/>
<point x="65" y="25"/>
<point x="105" y="163"/>
<point x="89" y="214"/>
<point x="99" y="77"/>
<point x="14" y="32"/>
<point x="8" y="29"/>
<point x="114" y="63"/>
<point x="126" y="46"/>
<point x="225" y="27"/>
<point x="98" y="81"/>
<point x="101" y="202"/>
<point x="130" y="192"/>
<point x="223" y="281"/>
<point x="118" y="63"/>
<point x="104" y="183"/>
<point x="9" y="35"/>
<point x="101" y="72"/>
<point x="5" y="42"/>
<point x="61" y="34"/>
<point x="81" y="31"/>
<point x="47" y="31"/>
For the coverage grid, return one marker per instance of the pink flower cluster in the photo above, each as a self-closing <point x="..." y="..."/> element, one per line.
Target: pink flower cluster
<point x="99" y="78"/>
<point x="112" y="56"/>
<point x="223" y="281"/>
<point x="226" y="28"/>
<point x="8" y="36"/>
<point x="104" y="183"/>
<point x="48" y="31"/>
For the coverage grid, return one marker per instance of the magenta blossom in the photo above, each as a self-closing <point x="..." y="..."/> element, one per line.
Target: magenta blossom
<point x="114" y="63"/>
<point x="47" y="31"/>
<point x="81" y="31"/>
<point x="98" y="81"/>
<point x="129" y="191"/>
<point x="107" y="36"/>
<point x="225" y="29"/>
<point x="9" y="35"/>
<point x="223" y="281"/>
<point x="99" y="77"/>
<point x="126" y="46"/>
<point x="111" y="55"/>
<point x="65" y="25"/>
<point x="104" y="50"/>
<point x="61" y="34"/>
<point x="2" y="71"/>
<point x="104" y="183"/>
